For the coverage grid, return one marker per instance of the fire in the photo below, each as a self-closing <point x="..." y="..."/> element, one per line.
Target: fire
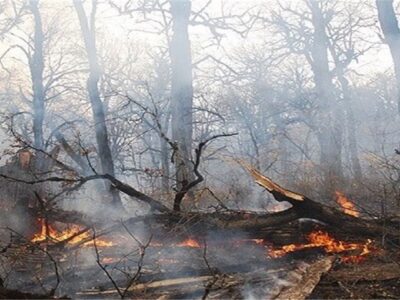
<point x="189" y="242"/>
<point x="43" y="234"/>
<point x="74" y="234"/>
<point x="322" y="239"/>
<point x="99" y="243"/>
<point x="192" y="243"/>
<point x="347" y="206"/>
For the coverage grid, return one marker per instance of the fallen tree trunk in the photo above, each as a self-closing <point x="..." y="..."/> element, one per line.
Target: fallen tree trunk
<point x="307" y="208"/>
<point x="256" y="225"/>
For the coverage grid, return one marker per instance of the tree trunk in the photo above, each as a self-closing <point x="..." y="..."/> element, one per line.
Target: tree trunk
<point x="391" y="32"/>
<point x="329" y="123"/>
<point x="103" y="147"/>
<point x="305" y="207"/>
<point x="351" y="127"/>
<point x="256" y="225"/>
<point x="36" y="65"/>
<point x="182" y="90"/>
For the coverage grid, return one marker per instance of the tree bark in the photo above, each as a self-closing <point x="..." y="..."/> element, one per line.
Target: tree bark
<point x="182" y="90"/>
<point x="330" y="119"/>
<point x="103" y="147"/>
<point x="351" y="126"/>
<point x="390" y="28"/>
<point x="36" y="66"/>
<point x="165" y="162"/>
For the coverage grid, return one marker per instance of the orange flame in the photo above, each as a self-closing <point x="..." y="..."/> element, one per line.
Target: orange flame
<point x="43" y="234"/>
<point x="74" y="233"/>
<point x="192" y="243"/>
<point x="347" y="206"/>
<point x="331" y="245"/>
<point x="99" y="243"/>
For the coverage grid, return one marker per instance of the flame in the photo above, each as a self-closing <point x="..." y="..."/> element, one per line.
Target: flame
<point x="347" y="206"/>
<point x="190" y="242"/>
<point x="74" y="234"/>
<point x="43" y="234"/>
<point x="320" y="238"/>
<point x="99" y="243"/>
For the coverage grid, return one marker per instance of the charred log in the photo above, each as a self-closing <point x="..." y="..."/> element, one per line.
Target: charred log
<point x="308" y="208"/>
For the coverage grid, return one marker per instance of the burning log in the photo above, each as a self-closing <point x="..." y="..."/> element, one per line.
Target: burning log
<point x="329" y="244"/>
<point x="336" y="219"/>
<point x="347" y="206"/>
<point x="189" y="230"/>
<point x="72" y="235"/>
<point x="264" y="238"/>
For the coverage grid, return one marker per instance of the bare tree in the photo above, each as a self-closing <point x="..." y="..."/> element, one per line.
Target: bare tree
<point x="326" y="39"/>
<point x="172" y="19"/>
<point x="330" y="125"/>
<point x="346" y="43"/>
<point x="89" y="36"/>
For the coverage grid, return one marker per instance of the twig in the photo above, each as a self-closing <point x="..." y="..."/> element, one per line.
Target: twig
<point x="211" y="283"/>
<point x="53" y="290"/>
<point x="104" y="268"/>
<point x="142" y="248"/>
<point x="199" y="178"/>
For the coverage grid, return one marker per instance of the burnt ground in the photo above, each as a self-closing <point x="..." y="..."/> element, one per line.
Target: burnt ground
<point x="376" y="278"/>
<point x="248" y="276"/>
<point x="235" y="268"/>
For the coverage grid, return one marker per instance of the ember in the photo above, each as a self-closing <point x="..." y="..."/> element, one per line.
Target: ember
<point x="190" y="242"/>
<point x="329" y="244"/>
<point x="347" y="206"/>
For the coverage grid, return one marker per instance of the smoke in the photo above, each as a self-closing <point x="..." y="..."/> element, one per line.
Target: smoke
<point x="313" y="106"/>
